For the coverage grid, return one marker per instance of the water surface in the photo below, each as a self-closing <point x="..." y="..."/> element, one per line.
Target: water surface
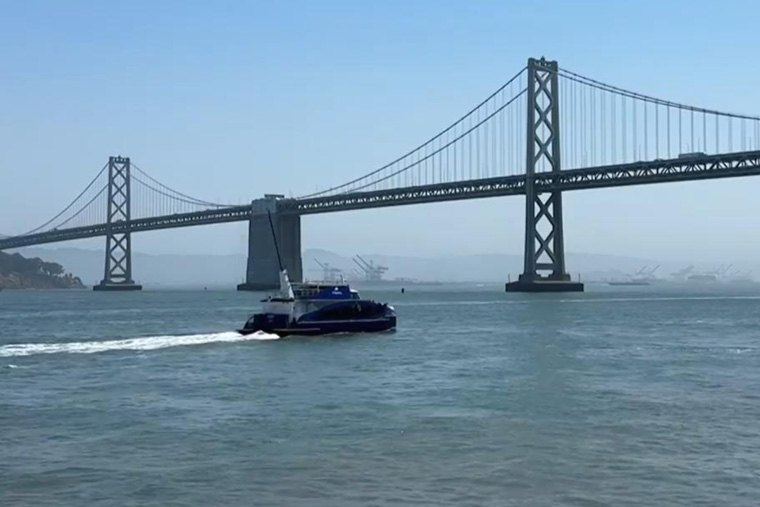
<point x="618" y="396"/>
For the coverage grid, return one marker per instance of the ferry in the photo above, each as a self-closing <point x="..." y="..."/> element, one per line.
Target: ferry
<point x="319" y="308"/>
<point x="315" y="309"/>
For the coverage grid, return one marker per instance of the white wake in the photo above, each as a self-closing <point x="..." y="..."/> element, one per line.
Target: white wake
<point x="143" y="343"/>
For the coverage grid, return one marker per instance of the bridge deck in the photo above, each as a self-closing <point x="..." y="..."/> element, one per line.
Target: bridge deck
<point x="730" y="165"/>
<point x="639" y="173"/>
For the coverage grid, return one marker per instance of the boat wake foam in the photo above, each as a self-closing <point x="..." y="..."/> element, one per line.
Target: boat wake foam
<point x="139" y="344"/>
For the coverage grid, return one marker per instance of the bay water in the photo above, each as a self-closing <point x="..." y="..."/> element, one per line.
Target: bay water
<point x="616" y="396"/>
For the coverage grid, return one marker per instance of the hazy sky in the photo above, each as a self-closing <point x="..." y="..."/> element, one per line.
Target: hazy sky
<point x="229" y="100"/>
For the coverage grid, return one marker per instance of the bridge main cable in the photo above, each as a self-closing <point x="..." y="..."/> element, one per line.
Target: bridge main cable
<point x="442" y="148"/>
<point x="606" y="124"/>
<point x="71" y="204"/>
<point x="168" y="191"/>
<point x="647" y="98"/>
<point x="424" y="145"/>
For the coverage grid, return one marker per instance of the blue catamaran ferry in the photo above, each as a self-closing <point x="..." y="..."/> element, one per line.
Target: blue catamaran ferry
<point x="319" y="308"/>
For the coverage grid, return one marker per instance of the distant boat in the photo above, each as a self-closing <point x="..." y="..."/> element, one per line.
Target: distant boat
<point x="643" y="276"/>
<point x="705" y="277"/>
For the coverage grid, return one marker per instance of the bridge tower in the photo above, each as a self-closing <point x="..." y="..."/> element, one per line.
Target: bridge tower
<point x="544" y="269"/>
<point x="263" y="269"/>
<point x="118" y="270"/>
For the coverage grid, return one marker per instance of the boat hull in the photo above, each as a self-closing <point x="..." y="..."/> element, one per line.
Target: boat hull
<point x="316" y="328"/>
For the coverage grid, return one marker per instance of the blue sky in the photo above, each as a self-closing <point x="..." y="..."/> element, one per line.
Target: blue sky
<point x="229" y="100"/>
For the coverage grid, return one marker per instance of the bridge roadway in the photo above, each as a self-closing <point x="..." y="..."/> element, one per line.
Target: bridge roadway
<point x="730" y="165"/>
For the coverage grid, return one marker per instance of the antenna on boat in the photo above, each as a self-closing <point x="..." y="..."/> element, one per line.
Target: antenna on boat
<point x="274" y="237"/>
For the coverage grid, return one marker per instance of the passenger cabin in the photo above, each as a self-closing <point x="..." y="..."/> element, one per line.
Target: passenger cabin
<point x="342" y="311"/>
<point x="323" y="291"/>
<point x="311" y="297"/>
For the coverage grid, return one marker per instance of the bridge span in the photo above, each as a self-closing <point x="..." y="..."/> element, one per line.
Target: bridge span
<point x="730" y="165"/>
<point x="610" y="137"/>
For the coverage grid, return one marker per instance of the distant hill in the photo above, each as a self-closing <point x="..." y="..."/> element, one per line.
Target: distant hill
<point x="19" y="272"/>
<point x="153" y="270"/>
<point x="228" y="270"/>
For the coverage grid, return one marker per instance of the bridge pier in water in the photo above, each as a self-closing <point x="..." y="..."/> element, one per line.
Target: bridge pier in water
<point x="263" y="269"/>
<point x="544" y="257"/>
<point x="118" y="268"/>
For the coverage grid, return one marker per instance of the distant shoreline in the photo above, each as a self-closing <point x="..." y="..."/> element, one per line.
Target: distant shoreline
<point x="20" y="273"/>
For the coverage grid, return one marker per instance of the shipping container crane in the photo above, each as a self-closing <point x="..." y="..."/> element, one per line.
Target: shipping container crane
<point x="371" y="271"/>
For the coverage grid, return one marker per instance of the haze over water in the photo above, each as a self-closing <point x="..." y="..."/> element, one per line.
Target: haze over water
<point x="612" y="397"/>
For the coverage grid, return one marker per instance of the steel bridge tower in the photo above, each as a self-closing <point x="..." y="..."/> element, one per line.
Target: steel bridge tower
<point x="118" y="269"/>
<point x="544" y="269"/>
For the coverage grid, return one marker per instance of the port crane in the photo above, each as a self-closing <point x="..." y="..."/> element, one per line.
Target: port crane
<point x="329" y="273"/>
<point x="371" y="271"/>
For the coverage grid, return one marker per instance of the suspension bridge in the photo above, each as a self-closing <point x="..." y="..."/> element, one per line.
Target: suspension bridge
<point x="545" y="131"/>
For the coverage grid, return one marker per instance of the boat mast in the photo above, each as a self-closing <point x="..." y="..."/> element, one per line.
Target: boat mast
<point x="274" y="237"/>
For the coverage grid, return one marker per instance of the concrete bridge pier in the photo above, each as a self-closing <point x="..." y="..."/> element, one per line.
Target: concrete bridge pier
<point x="263" y="271"/>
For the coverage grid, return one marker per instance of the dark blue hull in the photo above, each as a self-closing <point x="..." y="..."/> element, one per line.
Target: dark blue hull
<point x="342" y="316"/>
<point x="314" y="328"/>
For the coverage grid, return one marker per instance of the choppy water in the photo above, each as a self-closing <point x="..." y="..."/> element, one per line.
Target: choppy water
<point x="639" y="396"/>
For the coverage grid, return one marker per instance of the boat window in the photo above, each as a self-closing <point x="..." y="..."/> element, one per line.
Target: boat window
<point x="369" y="309"/>
<point x="350" y="310"/>
<point x="337" y="312"/>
